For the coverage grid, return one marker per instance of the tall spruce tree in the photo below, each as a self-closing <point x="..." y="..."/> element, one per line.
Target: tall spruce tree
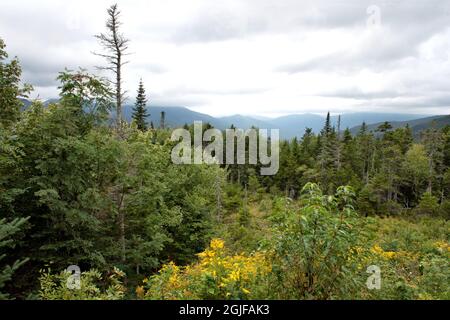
<point x="139" y="111"/>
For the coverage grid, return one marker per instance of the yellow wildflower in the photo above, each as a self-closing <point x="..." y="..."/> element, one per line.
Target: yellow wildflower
<point x="442" y="246"/>
<point x="217" y="244"/>
<point x="140" y="291"/>
<point x="385" y="254"/>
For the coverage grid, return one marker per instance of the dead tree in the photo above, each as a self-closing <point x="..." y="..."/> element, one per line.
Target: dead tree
<point x="115" y="46"/>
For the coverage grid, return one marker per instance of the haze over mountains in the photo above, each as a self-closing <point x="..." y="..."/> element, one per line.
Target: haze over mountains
<point x="290" y="125"/>
<point x="294" y="124"/>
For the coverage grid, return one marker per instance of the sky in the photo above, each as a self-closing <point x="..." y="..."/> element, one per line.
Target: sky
<point x="251" y="57"/>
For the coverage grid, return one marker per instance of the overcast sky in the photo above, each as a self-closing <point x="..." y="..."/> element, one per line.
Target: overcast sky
<point x="259" y="57"/>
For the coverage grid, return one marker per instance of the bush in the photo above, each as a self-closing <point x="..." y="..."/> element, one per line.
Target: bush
<point x="428" y="205"/>
<point x="444" y="210"/>
<point x="93" y="286"/>
<point x="390" y="208"/>
<point x="217" y="275"/>
<point x="314" y="246"/>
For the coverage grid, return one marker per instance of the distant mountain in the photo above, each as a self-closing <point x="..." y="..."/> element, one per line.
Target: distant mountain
<point x="295" y="124"/>
<point x="416" y="125"/>
<point x="246" y="122"/>
<point x="175" y="116"/>
<point x="26" y="103"/>
<point x="50" y="101"/>
<point x="350" y="120"/>
<point x="289" y="125"/>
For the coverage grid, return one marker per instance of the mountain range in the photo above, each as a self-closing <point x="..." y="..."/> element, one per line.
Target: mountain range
<point x="294" y="125"/>
<point x="290" y="125"/>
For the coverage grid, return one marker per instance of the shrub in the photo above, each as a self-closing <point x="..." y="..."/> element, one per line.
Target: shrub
<point x="428" y="204"/>
<point x="217" y="275"/>
<point x="93" y="286"/>
<point x="314" y="246"/>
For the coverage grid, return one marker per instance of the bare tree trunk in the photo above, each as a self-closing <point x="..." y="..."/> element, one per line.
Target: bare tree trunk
<point x="430" y="173"/>
<point x="119" y="92"/>
<point x="338" y="144"/>
<point x="122" y="235"/>
<point x="219" y="199"/>
<point x="116" y="45"/>
<point x="121" y="222"/>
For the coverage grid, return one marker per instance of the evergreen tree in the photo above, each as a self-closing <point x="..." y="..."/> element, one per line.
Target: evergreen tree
<point x="7" y="231"/>
<point x="327" y="155"/>
<point x="415" y="171"/>
<point x="434" y="145"/>
<point x="139" y="111"/>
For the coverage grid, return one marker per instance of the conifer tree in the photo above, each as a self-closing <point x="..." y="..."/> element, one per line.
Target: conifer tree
<point x="162" y="121"/>
<point x="139" y="111"/>
<point x="7" y="231"/>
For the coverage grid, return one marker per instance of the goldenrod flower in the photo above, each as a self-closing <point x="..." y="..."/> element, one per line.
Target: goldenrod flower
<point x="245" y="291"/>
<point x="140" y="291"/>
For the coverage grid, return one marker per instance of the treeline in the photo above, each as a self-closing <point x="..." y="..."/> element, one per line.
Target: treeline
<point x="390" y="171"/>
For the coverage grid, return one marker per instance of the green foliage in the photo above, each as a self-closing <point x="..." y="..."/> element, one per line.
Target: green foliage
<point x="93" y="286"/>
<point x="313" y="245"/>
<point x="10" y="88"/>
<point x="413" y="256"/>
<point x="428" y="204"/>
<point x="7" y="231"/>
<point x="217" y="275"/>
<point x="415" y="168"/>
<point x="139" y="111"/>
<point x="85" y="97"/>
<point x="95" y="199"/>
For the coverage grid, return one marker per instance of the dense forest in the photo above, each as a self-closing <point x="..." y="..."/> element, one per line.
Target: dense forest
<point x="79" y="186"/>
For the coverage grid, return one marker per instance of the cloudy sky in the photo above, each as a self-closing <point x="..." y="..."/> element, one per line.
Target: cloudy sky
<point x="258" y="57"/>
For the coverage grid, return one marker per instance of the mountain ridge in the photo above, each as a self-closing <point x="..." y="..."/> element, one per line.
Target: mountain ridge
<point x="292" y="125"/>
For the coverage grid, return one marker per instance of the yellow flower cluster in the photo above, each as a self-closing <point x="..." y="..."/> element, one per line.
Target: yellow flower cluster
<point x="385" y="254"/>
<point x="400" y="255"/>
<point x="217" y="244"/>
<point x="217" y="274"/>
<point x="442" y="246"/>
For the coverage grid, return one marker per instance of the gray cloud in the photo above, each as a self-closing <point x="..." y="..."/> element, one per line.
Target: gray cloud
<point x="189" y="52"/>
<point x="358" y="94"/>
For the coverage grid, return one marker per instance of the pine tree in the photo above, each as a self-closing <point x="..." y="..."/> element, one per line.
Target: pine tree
<point x="326" y="131"/>
<point x="433" y="142"/>
<point x="139" y="111"/>
<point x="327" y="155"/>
<point x="7" y="231"/>
<point x="162" y="121"/>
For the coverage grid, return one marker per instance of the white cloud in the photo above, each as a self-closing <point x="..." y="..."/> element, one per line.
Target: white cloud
<point x="261" y="57"/>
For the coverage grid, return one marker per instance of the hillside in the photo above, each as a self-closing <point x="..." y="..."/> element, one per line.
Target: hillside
<point x="416" y="125"/>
